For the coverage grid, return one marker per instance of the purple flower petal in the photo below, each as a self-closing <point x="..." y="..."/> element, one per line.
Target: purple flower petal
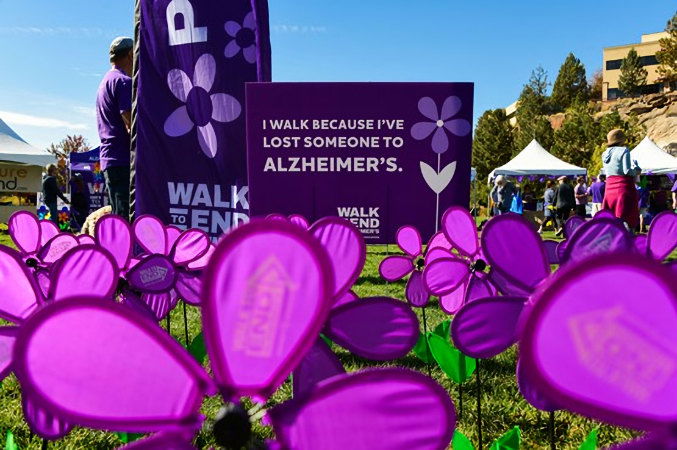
<point x="54" y="250"/>
<point x="379" y="329"/>
<point x="24" y="229"/>
<point x="205" y="72"/>
<point x="42" y="422"/>
<point x="178" y="123"/>
<point x="85" y="239"/>
<point x="571" y="225"/>
<point x="48" y="230"/>
<point x="444" y="275"/>
<point x="172" y="234"/>
<point x="232" y="49"/>
<point x="344" y="299"/>
<point x="404" y="409"/>
<point x="232" y="28"/>
<point x="190" y="246"/>
<point x="439" y="240"/>
<point x="437" y="253"/>
<point x="7" y="339"/>
<point x="319" y="364"/>
<point x="642" y="244"/>
<point x="479" y="287"/>
<point x="300" y="221"/>
<point x="208" y="142"/>
<point x="509" y="286"/>
<point x="250" y="54"/>
<point x="440" y="141"/>
<point x="202" y="262"/>
<point x="531" y="393"/>
<point x="460" y="230"/>
<point x="409" y="240"/>
<point x="114" y="234"/>
<point x="150" y="234"/>
<point x="179" y="84"/>
<point x="458" y="127"/>
<point x="551" y="251"/>
<point x="159" y="304"/>
<point x="423" y="130"/>
<point x="74" y="377"/>
<point x="189" y="287"/>
<point x="346" y="249"/>
<point x="416" y="292"/>
<point x="155" y="274"/>
<point x="226" y="108"/>
<point x="394" y="268"/>
<point x="662" y="237"/>
<point x="428" y="108"/>
<point x="487" y="327"/>
<point x="454" y="300"/>
<point x="85" y="271"/>
<point x="451" y="107"/>
<point x="598" y="237"/>
<point x="249" y="21"/>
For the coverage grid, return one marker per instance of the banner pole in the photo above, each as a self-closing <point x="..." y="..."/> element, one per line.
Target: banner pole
<point x="479" y="405"/>
<point x="134" y="129"/>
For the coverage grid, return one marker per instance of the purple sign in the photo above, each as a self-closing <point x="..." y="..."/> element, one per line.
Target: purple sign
<point x="194" y="59"/>
<point x="88" y="166"/>
<point x="381" y="155"/>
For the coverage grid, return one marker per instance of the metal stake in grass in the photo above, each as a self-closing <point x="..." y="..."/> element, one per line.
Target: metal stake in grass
<point x="427" y="347"/>
<point x="169" y="323"/>
<point x="479" y="404"/>
<point x="185" y="324"/>
<point x="552" y="430"/>
<point x="45" y="444"/>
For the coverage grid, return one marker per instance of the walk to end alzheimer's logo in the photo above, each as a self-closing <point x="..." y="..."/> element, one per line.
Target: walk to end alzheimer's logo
<point x="215" y="209"/>
<point x="366" y="219"/>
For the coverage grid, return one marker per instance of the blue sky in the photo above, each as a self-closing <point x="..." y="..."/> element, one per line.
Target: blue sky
<point x="55" y="52"/>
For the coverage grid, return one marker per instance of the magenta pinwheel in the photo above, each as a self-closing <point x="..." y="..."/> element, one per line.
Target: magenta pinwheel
<point x="40" y="242"/>
<point x="396" y="267"/>
<point x="264" y="277"/>
<point x="458" y="278"/>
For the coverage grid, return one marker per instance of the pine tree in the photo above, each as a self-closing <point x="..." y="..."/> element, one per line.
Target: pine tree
<point x="595" y="86"/>
<point x="571" y="84"/>
<point x="493" y="143"/>
<point x="576" y="139"/>
<point x="532" y="111"/>
<point x="667" y="55"/>
<point x="633" y="75"/>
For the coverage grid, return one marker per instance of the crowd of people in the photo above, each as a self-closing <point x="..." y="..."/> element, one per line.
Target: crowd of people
<point x="620" y="188"/>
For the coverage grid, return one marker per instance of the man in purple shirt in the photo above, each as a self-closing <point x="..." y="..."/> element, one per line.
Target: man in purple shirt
<point x="113" y="112"/>
<point x="674" y="196"/>
<point x="596" y="191"/>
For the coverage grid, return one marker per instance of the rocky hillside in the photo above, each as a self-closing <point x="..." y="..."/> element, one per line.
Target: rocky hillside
<point x="656" y="112"/>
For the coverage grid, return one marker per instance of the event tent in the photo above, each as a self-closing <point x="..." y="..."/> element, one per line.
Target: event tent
<point x="652" y="159"/>
<point x="535" y="160"/>
<point x="16" y="150"/>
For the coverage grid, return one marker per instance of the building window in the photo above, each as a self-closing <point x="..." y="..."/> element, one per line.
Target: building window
<point x="613" y="94"/>
<point x="615" y="64"/>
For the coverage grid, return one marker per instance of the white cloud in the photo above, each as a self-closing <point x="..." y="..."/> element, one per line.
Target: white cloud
<point x="53" y="31"/>
<point x="298" y="29"/>
<point x="13" y="118"/>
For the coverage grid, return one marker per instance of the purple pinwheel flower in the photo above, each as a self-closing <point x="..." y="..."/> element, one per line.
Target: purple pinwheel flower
<point x="39" y="242"/>
<point x="440" y="123"/>
<point x="458" y="279"/>
<point x="268" y="291"/>
<point x="661" y="240"/>
<point x="200" y="108"/>
<point x="244" y="38"/>
<point x="395" y="268"/>
<point x="170" y="267"/>
<point x="380" y="329"/>
<point x="611" y="359"/>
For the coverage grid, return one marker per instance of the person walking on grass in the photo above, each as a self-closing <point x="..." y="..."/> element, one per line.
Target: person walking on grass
<point x="504" y="192"/>
<point x="581" y="192"/>
<point x="548" y="207"/>
<point x="113" y="111"/>
<point x="50" y="192"/>
<point x="565" y="201"/>
<point x="621" y="195"/>
<point x="596" y="191"/>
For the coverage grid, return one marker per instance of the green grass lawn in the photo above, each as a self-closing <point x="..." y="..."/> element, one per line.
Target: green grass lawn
<point x="502" y="405"/>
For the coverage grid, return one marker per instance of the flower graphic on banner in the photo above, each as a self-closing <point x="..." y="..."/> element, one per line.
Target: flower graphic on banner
<point x="200" y="107"/>
<point x="244" y="38"/>
<point x="440" y="123"/>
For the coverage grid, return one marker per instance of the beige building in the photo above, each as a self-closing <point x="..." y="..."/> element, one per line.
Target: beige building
<point x="613" y="58"/>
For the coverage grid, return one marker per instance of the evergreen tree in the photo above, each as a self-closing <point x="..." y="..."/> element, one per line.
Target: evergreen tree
<point x="667" y="55"/>
<point x="633" y="75"/>
<point x="532" y="111"/>
<point x="571" y="84"/>
<point x="596" y="85"/>
<point x="575" y="141"/>
<point x="493" y="143"/>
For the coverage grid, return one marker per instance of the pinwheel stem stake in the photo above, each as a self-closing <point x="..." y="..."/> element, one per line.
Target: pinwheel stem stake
<point x="45" y="444"/>
<point x="185" y="324"/>
<point x="437" y="206"/>
<point x="460" y="401"/>
<point x="479" y="404"/>
<point x="427" y="346"/>
<point x="552" y="430"/>
<point x="169" y="323"/>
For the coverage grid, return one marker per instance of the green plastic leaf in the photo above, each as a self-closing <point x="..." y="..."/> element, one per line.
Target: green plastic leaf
<point x="590" y="443"/>
<point x="197" y="348"/>
<point x="443" y="330"/>
<point x="327" y="341"/>
<point x="129" y="437"/>
<point x="461" y="442"/>
<point x="453" y="363"/>
<point x="509" y="441"/>
<point x="9" y="442"/>
<point x="423" y="351"/>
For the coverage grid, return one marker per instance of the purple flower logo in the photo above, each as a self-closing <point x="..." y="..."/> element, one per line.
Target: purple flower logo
<point x="441" y="123"/>
<point x="244" y="38"/>
<point x="200" y="108"/>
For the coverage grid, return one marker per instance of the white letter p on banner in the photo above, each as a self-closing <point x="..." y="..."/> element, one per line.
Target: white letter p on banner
<point x="189" y="34"/>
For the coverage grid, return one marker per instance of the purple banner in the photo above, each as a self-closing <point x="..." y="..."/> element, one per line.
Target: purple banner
<point x="88" y="166"/>
<point x="194" y="60"/>
<point x="381" y="155"/>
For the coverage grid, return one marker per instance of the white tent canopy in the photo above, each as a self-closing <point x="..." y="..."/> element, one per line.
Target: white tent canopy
<point x="535" y="160"/>
<point x="15" y="149"/>
<point x="652" y="159"/>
